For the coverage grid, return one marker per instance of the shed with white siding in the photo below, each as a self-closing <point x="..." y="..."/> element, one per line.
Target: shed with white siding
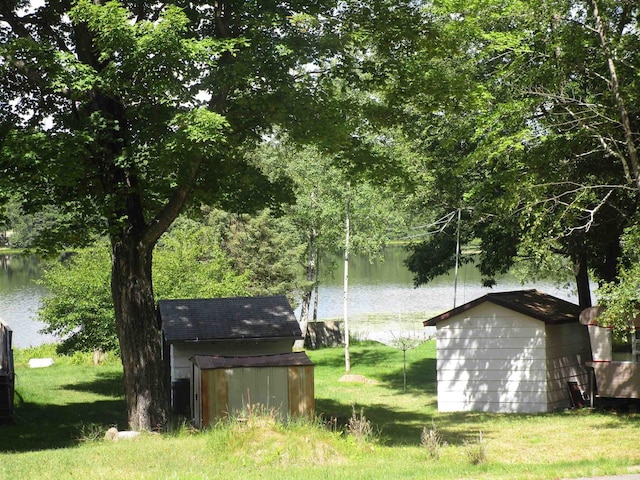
<point x="510" y="352"/>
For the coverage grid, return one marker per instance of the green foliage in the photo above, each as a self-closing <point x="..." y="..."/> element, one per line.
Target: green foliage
<point x="252" y="256"/>
<point x="190" y="264"/>
<point x="621" y="299"/>
<point x="510" y="103"/>
<point x="28" y="229"/>
<point x="123" y="114"/>
<point x="265" y="248"/>
<point x="321" y="194"/>
<point x="79" y="309"/>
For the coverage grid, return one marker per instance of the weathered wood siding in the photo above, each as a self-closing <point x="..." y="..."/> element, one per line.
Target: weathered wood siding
<point x="617" y="379"/>
<point x="301" y="390"/>
<point x="491" y="359"/>
<point x="212" y="397"/>
<point x="231" y="391"/>
<point x="265" y="386"/>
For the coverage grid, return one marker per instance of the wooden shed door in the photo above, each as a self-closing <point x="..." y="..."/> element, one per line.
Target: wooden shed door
<point x="250" y="386"/>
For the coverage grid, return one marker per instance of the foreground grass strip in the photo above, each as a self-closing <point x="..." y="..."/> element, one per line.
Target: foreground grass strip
<point x="66" y="408"/>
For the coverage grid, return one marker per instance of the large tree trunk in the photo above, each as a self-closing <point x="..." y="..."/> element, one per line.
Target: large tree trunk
<point x="582" y="282"/>
<point x="138" y="333"/>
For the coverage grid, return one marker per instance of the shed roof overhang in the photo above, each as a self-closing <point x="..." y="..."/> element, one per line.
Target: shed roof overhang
<point x="208" y="362"/>
<point x="533" y="303"/>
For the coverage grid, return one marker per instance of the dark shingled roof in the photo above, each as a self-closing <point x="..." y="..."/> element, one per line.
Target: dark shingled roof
<point x="207" y="362"/>
<point x="237" y="318"/>
<point x="533" y="303"/>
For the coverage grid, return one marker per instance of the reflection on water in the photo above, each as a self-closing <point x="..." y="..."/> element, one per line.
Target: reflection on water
<point x="401" y="296"/>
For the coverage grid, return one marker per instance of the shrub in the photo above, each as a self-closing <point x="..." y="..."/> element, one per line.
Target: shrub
<point x="476" y="451"/>
<point x="359" y="427"/>
<point x="431" y="440"/>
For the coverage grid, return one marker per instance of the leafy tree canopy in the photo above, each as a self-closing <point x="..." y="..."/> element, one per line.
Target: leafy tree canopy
<point x="522" y="129"/>
<point x="124" y="113"/>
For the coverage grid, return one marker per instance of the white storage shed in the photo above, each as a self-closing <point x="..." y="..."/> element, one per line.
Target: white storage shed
<point x="515" y="352"/>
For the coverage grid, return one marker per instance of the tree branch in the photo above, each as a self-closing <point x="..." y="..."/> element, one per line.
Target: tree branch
<point x="174" y="206"/>
<point x="617" y="95"/>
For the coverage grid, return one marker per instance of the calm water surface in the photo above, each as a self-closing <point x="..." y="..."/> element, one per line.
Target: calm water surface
<point x="386" y="290"/>
<point x="383" y="304"/>
<point x="20" y="298"/>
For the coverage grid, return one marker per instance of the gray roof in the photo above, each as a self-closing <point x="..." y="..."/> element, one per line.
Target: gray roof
<point x="533" y="303"/>
<point x="235" y="318"/>
<point x="208" y="362"/>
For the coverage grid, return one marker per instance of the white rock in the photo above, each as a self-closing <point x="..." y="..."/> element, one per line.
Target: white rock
<point x="127" y="434"/>
<point x="40" y="362"/>
<point x="115" y="435"/>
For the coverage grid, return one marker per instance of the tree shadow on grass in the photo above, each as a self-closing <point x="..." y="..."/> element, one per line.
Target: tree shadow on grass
<point x="395" y="427"/>
<point x="361" y="353"/>
<point x="400" y="427"/>
<point x="108" y="384"/>
<point x="421" y="377"/>
<point x="45" y="426"/>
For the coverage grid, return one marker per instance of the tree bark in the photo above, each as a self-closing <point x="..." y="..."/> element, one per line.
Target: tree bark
<point x="316" y="285"/>
<point x="138" y="334"/>
<point x="582" y="282"/>
<point x="310" y="276"/>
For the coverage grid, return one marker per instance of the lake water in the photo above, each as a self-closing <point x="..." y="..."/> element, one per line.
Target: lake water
<point x="383" y="304"/>
<point x="20" y="298"/>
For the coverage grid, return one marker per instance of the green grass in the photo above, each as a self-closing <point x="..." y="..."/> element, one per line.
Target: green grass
<point x="64" y="410"/>
<point x="10" y="251"/>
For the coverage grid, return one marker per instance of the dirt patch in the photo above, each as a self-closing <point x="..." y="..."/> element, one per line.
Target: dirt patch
<point x="357" y="379"/>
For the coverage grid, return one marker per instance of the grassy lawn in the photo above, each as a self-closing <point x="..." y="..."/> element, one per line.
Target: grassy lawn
<point x="63" y="412"/>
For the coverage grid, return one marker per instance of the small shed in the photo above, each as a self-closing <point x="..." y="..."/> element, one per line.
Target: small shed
<point x="230" y="385"/>
<point x="235" y="326"/>
<point x="516" y="351"/>
<point x="7" y="374"/>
